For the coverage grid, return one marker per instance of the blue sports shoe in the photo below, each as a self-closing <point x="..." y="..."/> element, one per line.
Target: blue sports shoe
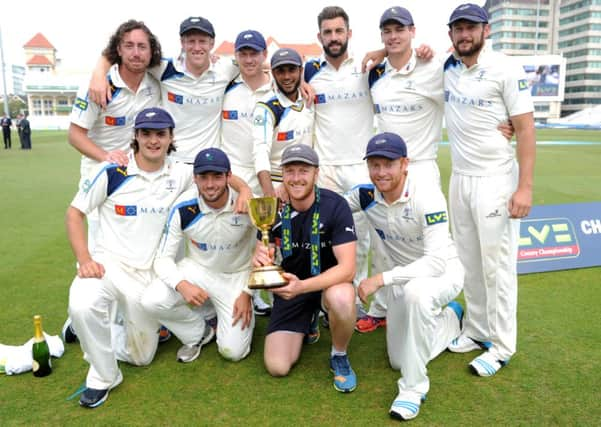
<point x="345" y="379"/>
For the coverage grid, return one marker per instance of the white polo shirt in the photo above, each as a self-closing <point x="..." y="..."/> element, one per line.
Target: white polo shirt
<point x="112" y="129"/>
<point x="410" y="103"/>
<point x="414" y="229"/>
<point x="133" y="207"/>
<point x="219" y="240"/>
<point x="237" y="118"/>
<point x="343" y="111"/>
<point x="195" y="103"/>
<point x="477" y="99"/>
<point x="278" y="123"/>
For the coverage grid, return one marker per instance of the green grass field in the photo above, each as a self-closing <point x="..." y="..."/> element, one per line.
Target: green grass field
<point x="554" y="379"/>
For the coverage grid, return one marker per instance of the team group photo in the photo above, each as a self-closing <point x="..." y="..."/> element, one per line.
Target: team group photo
<point x="288" y="228"/>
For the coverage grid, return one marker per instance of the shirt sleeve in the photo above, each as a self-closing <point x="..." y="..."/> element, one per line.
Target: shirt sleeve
<point x="353" y="200"/>
<point x="164" y="262"/>
<point x="92" y="190"/>
<point x="262" y="135"/>
<point x="343" y="230"/>
<point x="434" y="221"/>
<point x="84" y="112"/>
<point x="516" y="93"/>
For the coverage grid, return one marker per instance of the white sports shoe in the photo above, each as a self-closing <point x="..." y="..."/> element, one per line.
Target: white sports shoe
<point x="406" y="405"/>
<point x="261" y="308"/>
<point x="189" y="353"/>
<point x="486" y="365"/>
<point x="463" y="344"/>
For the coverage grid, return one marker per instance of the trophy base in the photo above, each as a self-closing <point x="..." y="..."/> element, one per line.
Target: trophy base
<point x="267" y="277"/>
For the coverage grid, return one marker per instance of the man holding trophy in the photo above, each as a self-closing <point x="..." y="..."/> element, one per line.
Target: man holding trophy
<point x="315" y="234"/>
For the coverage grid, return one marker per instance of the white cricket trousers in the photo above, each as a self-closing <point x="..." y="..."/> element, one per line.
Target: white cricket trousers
<point x="487" y="243"/>
<point x="188" y="324"/>
<point x="419" y="326"/>
<point x="91" y="306"/>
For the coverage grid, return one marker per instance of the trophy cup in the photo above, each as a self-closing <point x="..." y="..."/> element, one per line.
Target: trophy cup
<point x="262" y="212"/>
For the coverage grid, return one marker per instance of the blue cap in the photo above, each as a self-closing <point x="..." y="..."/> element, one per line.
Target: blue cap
<point x="153" y="118"/>
<point x="211" y="160"/>
<point x="252" y="39"/>
<point x="386" y="144"/>
<point x="469" y="12"/>
<point x="397" y="14"/>
<point x="197" y="23"/>
<point x="286" y="56"/>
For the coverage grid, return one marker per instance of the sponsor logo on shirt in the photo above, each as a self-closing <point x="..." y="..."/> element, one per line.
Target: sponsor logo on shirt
<point x="285" y="136"/>
<point x="436" y="218"/>
<point x="400" y="108"/>
<point x="323" y="98"/>
<point x="126" y="210"/>
<point x="229" y="115"/>
<point x="390" y="235"/>
<point x="522" y="84"/>
<point x="259" y="120"/>
<point x="170" y="185"/>
<point x="320" y="98"/>
<point x="175" y="98"/>
<point x="115" y="121"/>
<point x="80" y="104"/>
<point x="453" y="98"/>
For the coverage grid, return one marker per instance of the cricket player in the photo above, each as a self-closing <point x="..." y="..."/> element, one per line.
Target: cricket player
<point x="316" y="237"/>
<point x="422" y="274"/>
<point x="133" y="202"/>
<point x="408" y="98"/>
<point x="241" y="96"/>
<point x="489" y="192"/>
<point x="280" y="120"/>
<point x="192" y="88"/>
<point x="220" y="244"/>
<point x="104" y="134"/>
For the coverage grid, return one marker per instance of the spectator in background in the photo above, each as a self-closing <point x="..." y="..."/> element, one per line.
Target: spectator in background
<point x="6" y="123"/>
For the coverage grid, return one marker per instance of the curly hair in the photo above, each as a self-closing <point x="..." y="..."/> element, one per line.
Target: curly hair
<point x="110" y="51"/>
<point x="332" y="12"/>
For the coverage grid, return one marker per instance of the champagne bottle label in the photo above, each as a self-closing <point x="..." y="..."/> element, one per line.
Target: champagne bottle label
<point x="35" y="366"/>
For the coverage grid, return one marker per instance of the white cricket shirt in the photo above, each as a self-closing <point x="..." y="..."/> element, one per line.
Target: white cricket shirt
<point x="343" y="111"/>
<point x="219" y="240"/>
<point x="477" y="99"/>
<point x="410" y="103"/>
<point x="112" y="129"/>
<point x="414" y="229"/>
<point x="278" y="123"/>
<point x="133" y="207"/>
<point x="237" y="118"/>
<point x="195" y="103"/>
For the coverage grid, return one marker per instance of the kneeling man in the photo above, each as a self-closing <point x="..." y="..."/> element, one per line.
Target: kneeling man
<point x="425" y="275"/>
<point x="220" y="244"/>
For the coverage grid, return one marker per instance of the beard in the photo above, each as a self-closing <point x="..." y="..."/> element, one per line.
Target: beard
<point x="292" y="92"/>
<point x="472" y="50"/>
<point x="343" y="49"/>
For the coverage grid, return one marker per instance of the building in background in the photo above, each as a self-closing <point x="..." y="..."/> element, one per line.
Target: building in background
<point x="570" y="28"/>
<point x="312" y="50"/>
<point x="50" y="90"/>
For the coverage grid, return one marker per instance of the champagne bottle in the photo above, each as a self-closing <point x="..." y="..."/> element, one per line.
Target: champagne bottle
<point x="42" y="365"/>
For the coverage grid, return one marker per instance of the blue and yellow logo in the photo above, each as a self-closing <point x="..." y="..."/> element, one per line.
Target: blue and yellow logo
<point x="436" y="218"/>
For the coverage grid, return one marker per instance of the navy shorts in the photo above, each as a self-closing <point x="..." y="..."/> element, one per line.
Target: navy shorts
<point x="294" y="315"/>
